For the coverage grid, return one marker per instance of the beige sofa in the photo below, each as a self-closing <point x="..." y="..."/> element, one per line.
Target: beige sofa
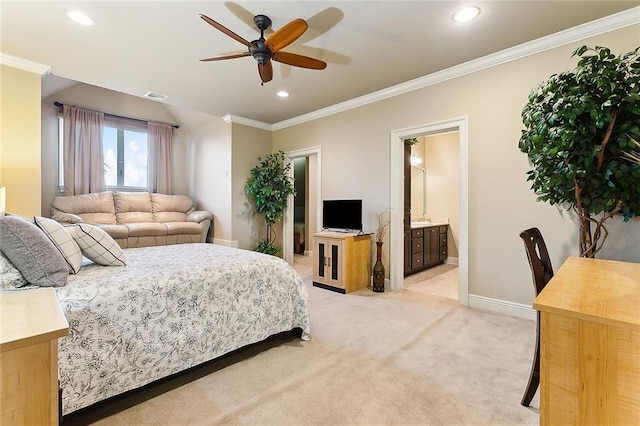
<point x="136" y="219"/>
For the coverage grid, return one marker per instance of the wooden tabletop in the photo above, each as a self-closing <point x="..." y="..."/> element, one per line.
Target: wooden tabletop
<point x="603" y="291"/>
<point x="28" y="317"/>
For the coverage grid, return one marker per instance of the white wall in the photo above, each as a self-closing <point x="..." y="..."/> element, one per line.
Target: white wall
<point x="355" y="147"/>
<point x="209" y="163"/>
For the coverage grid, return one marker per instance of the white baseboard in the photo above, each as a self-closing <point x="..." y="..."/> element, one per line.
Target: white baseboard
<point x="502" y="306"/>
<point x="228" y="243"/>
<point x="451" y="261"/>
<point x="308" y="252"/>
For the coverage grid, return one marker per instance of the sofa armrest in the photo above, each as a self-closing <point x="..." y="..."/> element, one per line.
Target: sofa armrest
<point x="67" y="218"/>
<point x="199" y="216"/>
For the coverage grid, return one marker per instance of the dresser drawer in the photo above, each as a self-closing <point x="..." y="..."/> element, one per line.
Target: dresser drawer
<point x="417" y="245"/>
<point x="443" y="239"/>
<point x="417" y="233"/>
<point x="417" y="261"/>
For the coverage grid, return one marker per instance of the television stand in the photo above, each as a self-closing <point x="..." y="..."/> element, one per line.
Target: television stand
<point x="342" y="261"/>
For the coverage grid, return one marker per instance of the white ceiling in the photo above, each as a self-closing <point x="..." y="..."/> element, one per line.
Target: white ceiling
<point x="142" y="46"/>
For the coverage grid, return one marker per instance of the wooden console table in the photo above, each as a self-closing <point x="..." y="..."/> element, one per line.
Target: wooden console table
<point x="32" y="322"/>
<point x="590" y="344"/>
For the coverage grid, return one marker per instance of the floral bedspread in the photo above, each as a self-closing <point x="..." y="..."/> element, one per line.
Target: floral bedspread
<point x="171" y="308"/>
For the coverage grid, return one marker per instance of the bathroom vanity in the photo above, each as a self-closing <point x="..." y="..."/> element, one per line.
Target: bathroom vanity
<point x="425" y="246"/>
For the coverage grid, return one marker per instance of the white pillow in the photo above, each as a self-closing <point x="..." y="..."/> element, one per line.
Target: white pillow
<point x="96" y="244"/>
<point x="63" y="242"/>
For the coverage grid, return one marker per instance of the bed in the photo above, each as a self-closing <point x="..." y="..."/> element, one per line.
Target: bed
<point x="170" y="308"/>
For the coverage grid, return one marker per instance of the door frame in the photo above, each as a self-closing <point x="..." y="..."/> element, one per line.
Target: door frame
<point x="396" y="227"/>
<point x="288" y="219"/>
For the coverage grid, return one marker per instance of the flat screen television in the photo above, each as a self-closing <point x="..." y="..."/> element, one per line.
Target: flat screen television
<point x="342" y="214"/>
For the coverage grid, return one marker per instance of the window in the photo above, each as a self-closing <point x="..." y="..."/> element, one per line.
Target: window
<point x="125" y="156"/>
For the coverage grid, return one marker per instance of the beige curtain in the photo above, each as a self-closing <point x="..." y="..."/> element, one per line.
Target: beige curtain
<point x="82" y="151"/>
<point x="160" y="149"/>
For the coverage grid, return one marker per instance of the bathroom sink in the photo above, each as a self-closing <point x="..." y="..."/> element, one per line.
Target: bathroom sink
<point x="420" y="224"/>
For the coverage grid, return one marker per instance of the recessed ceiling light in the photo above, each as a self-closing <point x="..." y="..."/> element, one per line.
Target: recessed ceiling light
<point x="282" y="94"/>
<point x="466" y="14"/>
<point x="80" y="18"/>
<point x="155" y="96"/>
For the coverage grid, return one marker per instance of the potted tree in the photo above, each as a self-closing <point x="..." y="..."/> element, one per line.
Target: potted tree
<point x="269" y="186"/>
<point x="579" y="127"/>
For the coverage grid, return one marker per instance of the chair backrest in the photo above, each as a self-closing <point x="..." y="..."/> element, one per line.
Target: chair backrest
<point x="538" y="256"/>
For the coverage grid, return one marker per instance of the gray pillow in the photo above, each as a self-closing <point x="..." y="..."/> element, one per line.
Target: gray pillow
<point x="31" y="251"/>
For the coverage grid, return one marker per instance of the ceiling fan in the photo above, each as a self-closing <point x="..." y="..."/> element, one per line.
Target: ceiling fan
<point x="264" y="51"/>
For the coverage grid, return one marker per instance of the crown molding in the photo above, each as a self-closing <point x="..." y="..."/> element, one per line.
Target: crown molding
<point x="590" y="29"/>
<point x="23" y="64"/>
<point x="230" y="118"/>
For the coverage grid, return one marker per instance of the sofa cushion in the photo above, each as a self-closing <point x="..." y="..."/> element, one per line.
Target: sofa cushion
<point x="174" y="228"/>
<point x="132" y="207"/>
<point x="32" y="253"/>
<point x="146" y="229"/>
<point x="170" y="208"/>
<point x="97" y="245"/>
<point x="64" y="242"/>
<point x="116" y="231"/>
<point x="96" y="208"/>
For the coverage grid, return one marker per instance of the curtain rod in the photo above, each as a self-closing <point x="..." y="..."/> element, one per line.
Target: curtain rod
<point x="175" y="126"/>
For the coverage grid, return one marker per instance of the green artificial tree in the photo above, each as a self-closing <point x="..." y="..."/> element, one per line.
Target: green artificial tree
<point x="580" y="127"/>
<point x="269" y="186"/>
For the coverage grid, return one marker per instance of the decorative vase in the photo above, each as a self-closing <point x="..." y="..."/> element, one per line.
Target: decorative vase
<point x="378" y="270"/>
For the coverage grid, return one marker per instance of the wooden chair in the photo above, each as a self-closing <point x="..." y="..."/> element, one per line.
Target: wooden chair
<point x="542" y="272"/>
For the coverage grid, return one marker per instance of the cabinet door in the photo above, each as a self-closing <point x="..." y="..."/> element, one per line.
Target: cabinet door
<point x="327" y="268"/>
<point x="433" y="251"/>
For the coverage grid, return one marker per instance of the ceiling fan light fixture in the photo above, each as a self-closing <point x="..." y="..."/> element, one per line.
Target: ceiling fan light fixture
<point x="283" y="94"/>
<point x="466" y="14"/>
<point x="80" y="18"/>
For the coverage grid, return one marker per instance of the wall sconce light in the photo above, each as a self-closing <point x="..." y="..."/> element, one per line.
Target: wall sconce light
<point x="416" y="160"/>
<point x="3" y="200"/>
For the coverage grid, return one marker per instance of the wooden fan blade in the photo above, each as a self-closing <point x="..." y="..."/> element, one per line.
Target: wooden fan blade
<point x="299" y="60"/>
<point x="225" y="30"/>
<point x="266" y="71"/>
<point x="287" y="34"/>
<point x="221" y="58"/>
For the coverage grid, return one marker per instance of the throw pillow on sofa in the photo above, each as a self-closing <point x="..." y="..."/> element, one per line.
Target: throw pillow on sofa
<point x="96" y="244"/>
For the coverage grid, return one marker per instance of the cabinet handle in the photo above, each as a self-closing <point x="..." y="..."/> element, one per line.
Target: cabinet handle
<point x="329" y="259"/>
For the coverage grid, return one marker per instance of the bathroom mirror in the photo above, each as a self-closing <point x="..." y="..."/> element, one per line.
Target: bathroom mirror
<point x="418" y="192"/>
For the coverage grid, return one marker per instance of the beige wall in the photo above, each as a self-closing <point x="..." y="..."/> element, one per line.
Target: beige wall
<point x="248" y="144"/>
<point x="441" y="160"/>
<point x="20" y="158"/>
<point x="355" y="147"/>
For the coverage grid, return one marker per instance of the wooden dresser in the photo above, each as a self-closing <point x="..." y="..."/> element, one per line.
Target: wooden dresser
<point x="590" y="344"/>
<point x="31" y="323"/>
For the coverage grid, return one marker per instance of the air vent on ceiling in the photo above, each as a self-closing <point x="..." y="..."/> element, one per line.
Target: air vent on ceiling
<point x="155" y="96"/>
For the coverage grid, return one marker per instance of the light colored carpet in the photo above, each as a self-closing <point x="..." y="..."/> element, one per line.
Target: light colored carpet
<point x="395" y="358"/>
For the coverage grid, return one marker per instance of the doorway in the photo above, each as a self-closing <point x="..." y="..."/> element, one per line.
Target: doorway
<point x="313" y="202"/>
<point x="396" y="261"/>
